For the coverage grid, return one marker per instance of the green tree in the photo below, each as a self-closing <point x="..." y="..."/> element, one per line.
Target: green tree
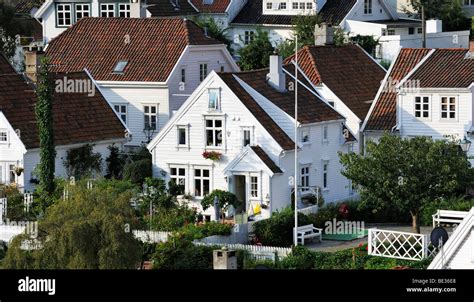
<point x="7" y="30"/>
<point x="214" y="31"/>
<point x="255" y="55"/>
<point x="408" y="174"/>
<point x="450" y="11"/>
<point x="226" y="199"/>
<point x="44" y="118"/>
<point x="115" y="163"/>
<point x="304" y="27"/>
<point x="90" y="230"/>
<point x="82" y="162"/>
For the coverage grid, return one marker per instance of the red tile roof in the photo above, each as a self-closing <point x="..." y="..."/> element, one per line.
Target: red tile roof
<point x="266" y="159"/>
<point x="77" y="118"/>
<point x="446" y="68"/>
<point x="383" y="116"/>
<point x="311" y="109"/>
<point x="347" y="70"/>
<point x="151" y="46"/>
<point x="217" y="6"/>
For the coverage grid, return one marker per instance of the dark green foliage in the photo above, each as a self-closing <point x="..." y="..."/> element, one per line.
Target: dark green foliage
<point x="454" y="204"/>
<point x="137" y="171"/>
<point x="225" y="198"/>
<point x="82" y="162"/>
<point x="304" y="27"/>
<point x="450" y="11"/>
<point x="15" y="204"/>
<point x="115" y="163"/>
<point x="86" y="231"/>
<point x="256" y="54"/>
<point x="278" y="230"/>
<point x="192" y="231"/>
<point x="44" y="118"/>
<point x="408" y="174"/>
<point x="368" y="43"/>
<point x="182" y="254"/>
<point x="171" y="219"/>
<point x="214" y="31"/>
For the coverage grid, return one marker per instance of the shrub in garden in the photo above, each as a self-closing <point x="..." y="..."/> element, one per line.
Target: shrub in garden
<point x="454" y="204"/>
<point x="226" y="199"/>
<point x="278" y="230"/>
<point x="192" y="231"/>
<point x="178" y="254"/>
<point x="137" y="171"/>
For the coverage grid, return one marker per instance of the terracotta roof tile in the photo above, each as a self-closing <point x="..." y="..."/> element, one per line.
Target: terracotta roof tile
<point x="384" y="114"/>
<point x="266" y="159"/>
<point x="217" y="6"/>
<point x="77" y="118"/>
<point x="98" y="44"/>
<point x="347" y="70"/>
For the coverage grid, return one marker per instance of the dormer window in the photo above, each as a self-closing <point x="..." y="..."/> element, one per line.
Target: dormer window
<point x="107" y="10"/>
<point x="63" y="14"/>
<point x="120" y="67"/>
<point x="213" y="103"/>
<point x="3" y="136"/>
<point x="124" y="10"/>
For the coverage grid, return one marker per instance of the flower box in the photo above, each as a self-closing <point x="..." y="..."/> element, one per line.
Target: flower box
<point x="212" y="155"/>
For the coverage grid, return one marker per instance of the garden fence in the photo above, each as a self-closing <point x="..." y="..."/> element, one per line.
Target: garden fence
<point x="151" y="236"/>
<point x="400" y="245"/>
<point x="257" y="252"/>
<point x="309" y="210"/>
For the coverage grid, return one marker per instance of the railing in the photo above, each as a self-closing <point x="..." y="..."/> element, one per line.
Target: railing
<point x="151" y="236"/>
<point x="257" y="252"/>
<point x="400" y="245"/>
<point x="309" y="210"/>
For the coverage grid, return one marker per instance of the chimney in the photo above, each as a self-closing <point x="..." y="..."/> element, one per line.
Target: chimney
<point x="136" y="9"/>
<point x="434" y="26"/>
<point x="33" y="55"/>
<point x="276" y="78"/>
<point x="323" y="34"/>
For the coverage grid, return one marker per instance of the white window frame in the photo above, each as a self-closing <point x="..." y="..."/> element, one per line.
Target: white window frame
<point x="254" y="187"/>
<point x="325" y="133"/>
<point x="124" y="8"/>
<point x="183" y="75"/>
<point x="309" y="5"/>
<point x="217" y="103"/>
<point x="203" y="71"/>
<point x="248" y="36"/>
<point x="325" y="175"/>
<point x="150" y="115"/>
<point x="84" y="12"/>
<point x="201" y="179"/>
<point x="422" y="110"/>
<point x="294" y="5"/>
<point x="282" y="6"/>
<point x="186" y="135"/>
<point x="368" y="7"/>
<point x="63" y="9"/>
<point x="179" y="179"/>
<point x="121" y="113"/>
<point x="269" y="5"/>
<point x="12" y="173"/>
<point x="106" y="8"/>
<point x="305" y="175"/>
<point x="244" y="129"/>
<point x="305" y="135"/>
<point x="4" y="134"/>
<point x="214" y="130"/>
<point x="448" y="111"/>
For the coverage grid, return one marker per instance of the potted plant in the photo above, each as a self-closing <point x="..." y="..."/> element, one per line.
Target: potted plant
<point x="212" y="155"/>
<point x="18" y="170"/>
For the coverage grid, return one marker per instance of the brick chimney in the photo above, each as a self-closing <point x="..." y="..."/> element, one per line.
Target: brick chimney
<point x="323" y="34"/>
<point x="33" y="54"/>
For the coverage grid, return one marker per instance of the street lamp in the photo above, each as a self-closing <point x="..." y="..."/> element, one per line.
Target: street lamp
<point x="465" y="145"/>
<point x="149" y="132"/>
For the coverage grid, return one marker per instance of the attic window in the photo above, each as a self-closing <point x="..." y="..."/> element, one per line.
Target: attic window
<point x="120" y="67"/>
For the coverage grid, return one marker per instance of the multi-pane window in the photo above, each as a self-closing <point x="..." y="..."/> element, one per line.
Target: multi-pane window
<point x="325" y="133"/>
<point x="12" y="173"/>
<point x="254" y="186"/>
<point x="248" y="37"/>
<point x="304" y="178"/>
<point x="294" y="5"/>
<point x="469" y="2"/>
<point x="269" y="5"/>
<point x="448" y="107"/>
<point x="411" y="30"/>
<point x="182" y="136"/>
<point x="420" y="30"/>
<point x="202" y="182"/>
<point x="213" y="103"/>
<point x="202" y="72"/>
<point x="3" y="136"/>
<point x="325" y="174"/>
<point x="122" y="112"/>
<point x="214" y="132"/>
<point x="107" y="10"/>
<point x="82" y="11"/>
<point x="178" y="176"/>
<point x="367" y="7"/>
<point x="246" y="137"/>
<point x="150" y="114"/>
<point x="183" y="75"/>
<point x="422" y="107"/>
<point x="309" y="5"/>
<point x="124" y="10"/>
<point x="305" y="135"/>
<point x="282" y="5"/>
<point x="302" y="5"/>
<point x="64" y="14"/>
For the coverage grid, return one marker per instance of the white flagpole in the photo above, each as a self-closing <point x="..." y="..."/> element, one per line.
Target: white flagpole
<point x="296" y="143"/>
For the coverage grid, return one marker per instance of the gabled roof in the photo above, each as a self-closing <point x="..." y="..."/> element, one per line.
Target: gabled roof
<point x="217" y="6"/>
<point x="348" y="71"/>
<point x="151" y="46"/>
<point x="333" y="12"/>
<point x="462" y="237"/>
<point x="383" y="113"/>
<point x="77" y="117"/>
<point x="25" y="6"/>
<point x="166" y="8"/>
<point x="266" y="159"/>
<point x="253" y="154"/>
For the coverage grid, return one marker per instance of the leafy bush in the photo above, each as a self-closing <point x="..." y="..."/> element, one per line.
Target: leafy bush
<point x="115" y="163"/>
<point x="278" y="230"/>
<point x="192" y="232"/>
<point x="182" y="254"/>
<point x="226" y="199"/>
<point x="454" y="204"/>
<point x="171" y="219"/>
<point x="137" y="171"/>
<point x="82" y="162"/>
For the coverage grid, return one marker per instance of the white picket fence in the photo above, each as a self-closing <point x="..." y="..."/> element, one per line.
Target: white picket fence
<point x="399" y="245"/>
<point x="257" y="252"/>
<point x="309" y="210"/>
<point x="151" y="236"/>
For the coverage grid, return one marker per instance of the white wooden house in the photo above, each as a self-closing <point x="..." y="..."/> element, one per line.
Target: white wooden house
<point x="427" y="92"/>
<point x="145" y="68"/>
<point x="458" y="252"/>
<point x="249" y="121"/>
<point x="79" y="118"/>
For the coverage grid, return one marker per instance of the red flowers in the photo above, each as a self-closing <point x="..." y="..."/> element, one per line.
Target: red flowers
<point x="212" y="155"/>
